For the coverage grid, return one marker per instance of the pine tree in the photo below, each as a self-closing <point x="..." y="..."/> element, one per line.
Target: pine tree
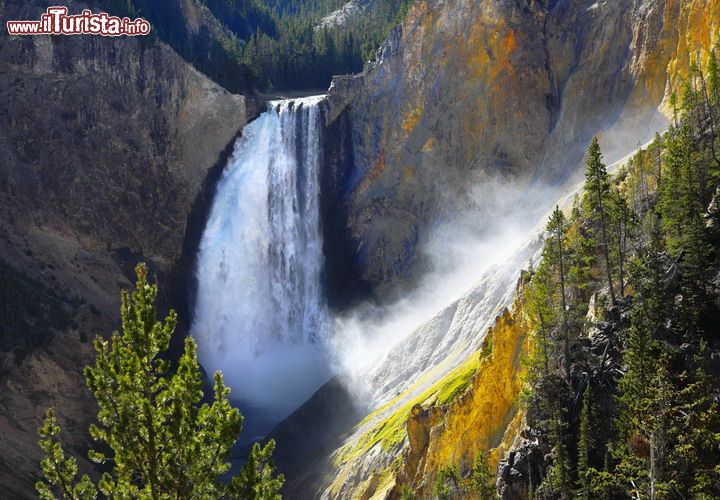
<point x="256" y="480"/>
<point x="541" y="306"/>
<point x="695" y="455"/>
<point x="482" y="478"/>
<point x="447" y="484"/>
<point x="645" y="388"/>
<point x="623" y="221"/>
<point x="707" y="98"/>
<point x="582" y="255"/>
<point x="155" y="433"/>
<point x="674" y="106"/>
<point x="556" y="233"/>
<point x="647" y="319"/>
<point x="676" y="157"/>
<point x="597" y="189"/>
<point x="665" y="437"/>
<point x="660" y="428"/>
<point x="60" y="472"/>
<point x="585" y="444"/>
<point x="683" y="198"/>
<point x="713" y="79"/>
<point x="691" y="103"/>
<point x="560" y="473"/>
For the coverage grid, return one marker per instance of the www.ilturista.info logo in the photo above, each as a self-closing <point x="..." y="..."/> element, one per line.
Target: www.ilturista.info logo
<point x="56" y="21"/>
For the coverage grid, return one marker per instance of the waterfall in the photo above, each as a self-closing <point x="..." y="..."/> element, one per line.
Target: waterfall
<point x="259" y="315"/>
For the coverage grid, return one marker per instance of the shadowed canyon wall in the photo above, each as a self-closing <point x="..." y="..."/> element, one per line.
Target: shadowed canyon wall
<point x="105" y="147"/>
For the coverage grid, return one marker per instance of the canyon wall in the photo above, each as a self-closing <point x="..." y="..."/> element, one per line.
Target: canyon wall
<point x="106" y="145"/>
<point x="464" y="93"/>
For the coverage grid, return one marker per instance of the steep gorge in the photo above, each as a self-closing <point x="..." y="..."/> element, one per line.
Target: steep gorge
<point x="463" y="94"/>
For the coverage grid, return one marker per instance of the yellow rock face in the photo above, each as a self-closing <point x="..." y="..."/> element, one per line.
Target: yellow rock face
<point x="688" y="30"/>
<point x="471" y="410"/>
<point x="484" y="418"/>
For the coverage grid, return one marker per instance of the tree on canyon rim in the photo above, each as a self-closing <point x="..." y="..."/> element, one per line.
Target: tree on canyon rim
<point x="156" y="437"/>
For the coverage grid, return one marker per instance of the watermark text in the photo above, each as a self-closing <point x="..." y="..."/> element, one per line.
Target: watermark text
<point x="56" y="21"/>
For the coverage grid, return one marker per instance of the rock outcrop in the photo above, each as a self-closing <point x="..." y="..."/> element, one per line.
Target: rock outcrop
<point x="348" y="12"/>
<point x="427" y="427"/>
<point x="487" y="415"/>
<point x="106" y="145"/>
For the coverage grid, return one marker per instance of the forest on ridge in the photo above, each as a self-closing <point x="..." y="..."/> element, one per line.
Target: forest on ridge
<point x="271" y="45"/>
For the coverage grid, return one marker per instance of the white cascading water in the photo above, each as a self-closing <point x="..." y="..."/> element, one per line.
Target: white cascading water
<point x="260" y="316"/>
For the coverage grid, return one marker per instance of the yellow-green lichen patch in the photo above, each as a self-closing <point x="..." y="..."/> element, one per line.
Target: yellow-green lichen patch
<point x="391" y="432"/>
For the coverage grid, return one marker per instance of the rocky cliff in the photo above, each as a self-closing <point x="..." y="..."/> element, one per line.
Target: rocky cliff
<point x="479" y="401"/>
<point x="463" y="93"/>
<point x="106" y="147"/>
<point x="487" y="414"/>
<point x="348" y="12"/>
<point x="458" y="374"/>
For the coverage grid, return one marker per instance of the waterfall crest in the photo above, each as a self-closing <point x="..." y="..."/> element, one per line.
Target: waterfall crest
<point x="260" y="316"/>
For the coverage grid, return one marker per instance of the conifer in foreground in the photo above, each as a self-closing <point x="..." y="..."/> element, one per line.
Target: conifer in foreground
<point x="158" y="439"/>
